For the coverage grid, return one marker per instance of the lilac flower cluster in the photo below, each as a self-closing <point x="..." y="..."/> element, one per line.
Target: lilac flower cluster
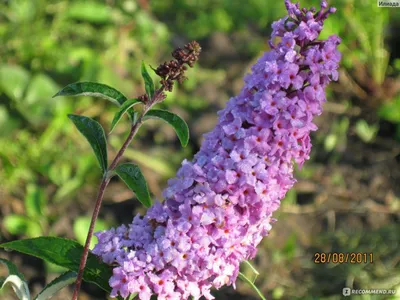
<point x="219" y="207"/>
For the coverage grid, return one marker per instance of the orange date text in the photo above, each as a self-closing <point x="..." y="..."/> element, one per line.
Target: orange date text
<point x="343" y="257"/>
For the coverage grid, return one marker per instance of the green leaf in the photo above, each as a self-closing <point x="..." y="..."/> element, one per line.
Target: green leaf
<point x="330" y="142"/>
<point x="81" y="228"/>
<point x="36" y="105"/>
<point x="365" y="131"/>
<point x="34" y="201"/>
<point x="94" y="134"/>
<point x="93" y="89"/>
<point x="248" y="281"/>
<point x="16" y="279"/>
<point x="68" y="188"/>
<point x="135" y="180"/>
<point x="12" y="269"/>
<point x="148" y="82"/>
<point x="124" y="108"/>
<point x="65" y="253"/>
<point x="22" y="12"/>
<point x="21" y="225"/>
<point x="90" y="11"/>
<point x="40" y="89"/>
<point x="390" y="110"/>
<point x="13" y="81"/>
<point x="179" y="125"/>
<point x="7" y="122"/>
<point x="56" y="285"/>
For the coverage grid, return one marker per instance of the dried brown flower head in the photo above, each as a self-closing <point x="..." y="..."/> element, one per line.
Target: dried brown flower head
<point x="174" y="70"/>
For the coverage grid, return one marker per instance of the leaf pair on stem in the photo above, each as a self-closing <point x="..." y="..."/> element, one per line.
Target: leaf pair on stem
<point x="94" y="133"/>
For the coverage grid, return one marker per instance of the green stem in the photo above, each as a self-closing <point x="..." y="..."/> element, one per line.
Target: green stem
<point x="85" y="253"/>
<point x="106" y="179"/>
<point x="245" y="279"/>
<point x="252" y="267"/>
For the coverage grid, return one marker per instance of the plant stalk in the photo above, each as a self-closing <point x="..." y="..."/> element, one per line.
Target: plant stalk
<point x="85" y="253"/>
<point x="103" y="185"/>
<point x="248" y="281"/>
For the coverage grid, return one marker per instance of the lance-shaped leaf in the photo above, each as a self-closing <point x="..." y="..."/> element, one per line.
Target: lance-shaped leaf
<point x="65" y="253"/>
<point x="179" y="125"/>
<point x="94" y="134"/>
<point x="148" y="82"/>
<point x="16" y="279"/>
<point x="35" y="201"/>
<point x="93" y="89"/>
<point x="57" y="284"/>
<point x="135" y="180"/>
<point x="123" y="109"/>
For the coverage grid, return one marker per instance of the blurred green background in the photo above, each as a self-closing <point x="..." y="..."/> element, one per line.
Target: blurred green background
<point x="347" y="195"/>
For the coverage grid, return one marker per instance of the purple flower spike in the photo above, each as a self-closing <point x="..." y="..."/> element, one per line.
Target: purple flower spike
<point x="220" y="205"/>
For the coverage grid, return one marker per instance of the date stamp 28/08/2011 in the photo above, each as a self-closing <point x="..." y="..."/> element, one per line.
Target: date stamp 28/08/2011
<point x="343" y="257"/>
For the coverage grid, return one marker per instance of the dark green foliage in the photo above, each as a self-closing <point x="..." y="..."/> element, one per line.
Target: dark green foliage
<point x="65" y="253"/>
<point x="123" y="109"/>
<point x="94" y="134"/>
<point x="92" y="89"/>
<point x="179" y="125"/>
<point x="148" y="82"/>
<point x="135" y="180"/>
<point x="12" y="269"/>
<point x="54" y="286"/>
